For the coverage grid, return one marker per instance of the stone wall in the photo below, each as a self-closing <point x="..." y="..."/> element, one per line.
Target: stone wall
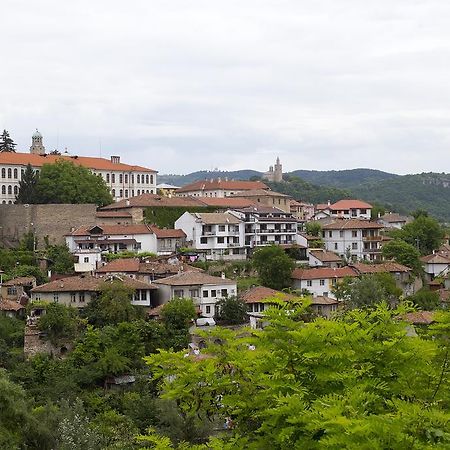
<point x="53" y="221"/>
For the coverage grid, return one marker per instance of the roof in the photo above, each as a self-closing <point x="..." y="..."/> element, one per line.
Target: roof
<point x="120" y="265"/>
<point x="262" y="209"/>
<point x="113" y="230"/>
<point x="435" y="258"/>
<point x="20" y="281"/>
<point x="152" y="200"/>
<point x="133" y="265"/>
<point x="350" y="204"/>
<point x="166" y="186"/>
<point x="260" y="293"/>
<point x="322" y="300"/>
<point x="112" y="214"/>
<point x="164" y="233"/>
<point x="217" y="218"/>
<point x="258" y="193"/>
<point x="89" y="162"/>
<point x="231" y="185"/>
<point x="388" y="266"/>
<point x="325" y="256"/>
<point x="351" y="224"/>
<point x="226" y="202"/>
<point x="418" y="317"/>
<point x="394" y="218"/>
<point x="88" y="283"/>
<point x="322" y="206"/>
<point x="323" y="273"/>
<point x="193" y="278"/>
<point x="9" y="305"/>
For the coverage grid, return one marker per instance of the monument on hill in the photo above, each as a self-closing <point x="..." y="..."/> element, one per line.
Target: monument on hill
<point x="275" y="173"/>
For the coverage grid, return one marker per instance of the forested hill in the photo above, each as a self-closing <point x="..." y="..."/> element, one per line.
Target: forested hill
<point x="182" y="180"/>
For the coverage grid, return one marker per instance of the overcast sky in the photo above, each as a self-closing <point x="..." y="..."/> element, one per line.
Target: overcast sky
<point x="180" y="85"/>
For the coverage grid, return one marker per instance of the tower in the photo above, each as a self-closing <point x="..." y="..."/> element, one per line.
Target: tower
<point x="278" y="172"/>
<point x="37" y="148"/>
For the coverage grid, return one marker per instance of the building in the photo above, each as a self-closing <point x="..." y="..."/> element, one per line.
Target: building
<point x="205" y="290"/>
<point x="275" y="173"/>
<point x="17" y="289"/>
<point x="78" y="291"/>
<point x="393" y="220"/>
<point x="324" y="306"/>
<point x="319" y="257"/>
<point x="344" y="209"/>
<point x="123" y="180"/>
<point x="436" y="265"/>
<point x="319" y="282"/>
<point x="218" y="188"/>
<point x="302" y="211"/>
<point x="263" y="197"/>
<point x="353" y="239"/>
<point x="219" y="235"/>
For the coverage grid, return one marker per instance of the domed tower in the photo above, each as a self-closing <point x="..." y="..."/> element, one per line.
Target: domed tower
<point x="37" y="148"/>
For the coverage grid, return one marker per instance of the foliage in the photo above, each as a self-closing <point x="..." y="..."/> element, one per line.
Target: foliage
<point x="61" y="260"/>
<point x="112" y="306"/>
<point x="59" y="321"/>
<point x="231" y="311"/>
<point x="165" y="217"/>
<point x="425" y="299"/>
<point x="377" y="210"/>
<point x="314" y="229"/>
<point x="274" y="267"/>
<point x="424" y="232"/>
<point x="344" y="383"/>
<point x="127" y="255"/>
<point x="65" y="182"/>
<point x="245" y="283"/>
<point x="11" y="340"/>
<point x="6" y="143"/>
<point x="403" y="253"/>
<point x="30" y="271"/>
<point x="27" y="186"/>
<point x="28" y="242"/>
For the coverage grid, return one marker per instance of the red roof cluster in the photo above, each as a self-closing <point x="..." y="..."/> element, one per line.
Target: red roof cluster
<point x="229" y="185"/>
<point x="321" y="273"/>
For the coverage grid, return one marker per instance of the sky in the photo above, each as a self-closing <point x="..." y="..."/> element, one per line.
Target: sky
<point x="182" y="85"/>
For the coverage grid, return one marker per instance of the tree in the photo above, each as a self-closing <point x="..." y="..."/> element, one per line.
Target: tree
<point x="274" y="267"/>
<point x="65" y="182"/>
<point x="232" y="311"/>
<point x="25" y="270"/>
<point x="61" y="260"/>
<point x="27" y="187"/>
<point x="425" y="299"/>
<point x="423" y="232"/>
<point x="404" y="253"/>
<point x="344" y="383"/>
<point x="112" y="306"/>
<point x="314" y="229"/>
<point x="6" y="143"/>
<point x="59" y="321"/>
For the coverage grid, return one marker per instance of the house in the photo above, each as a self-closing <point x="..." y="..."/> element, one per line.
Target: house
<point x="123" y="180"/>
<point x="113" y="218"/>
<point x="320" y="281"/>
<point x="148" y="270"/>
<point x="318" y="257"/>
<point x="17" y="288"/>
<point x="404" y="277"/>
<point x="205" y="290"/>
<point x="11" y="308"/>
<point x="353" y="239"/>
<point x="220" y="235"/>
<point x="393" y="220"/>
<point x="302" y="211"/>
<point x="78" y="291"/>
<point x="351" y="209"/>
<point x="265" y="197"/>
<point x="324" y="306"/>
<point x="168" y="240"/>
<point x="218" y="187"/>
<point x="436" y="265"/>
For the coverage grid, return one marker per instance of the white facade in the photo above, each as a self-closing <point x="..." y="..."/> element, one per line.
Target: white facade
<point x="321" y="287"/>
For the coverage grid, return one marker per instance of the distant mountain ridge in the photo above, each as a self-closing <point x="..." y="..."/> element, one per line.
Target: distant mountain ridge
<point x="401" y="193"/>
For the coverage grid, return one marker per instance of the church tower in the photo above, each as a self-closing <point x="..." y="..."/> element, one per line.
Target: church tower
<point x="278" y="172"/>
<point x="37" y="148"/>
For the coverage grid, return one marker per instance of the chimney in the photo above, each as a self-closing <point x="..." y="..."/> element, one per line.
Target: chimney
<point x="115" y="159"/>
<point x="328" y="203"/>
<point x="127" y="202"/>
<point x="223" y="275"/>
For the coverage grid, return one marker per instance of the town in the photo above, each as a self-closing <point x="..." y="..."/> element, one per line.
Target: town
<point x="101" y="265"/>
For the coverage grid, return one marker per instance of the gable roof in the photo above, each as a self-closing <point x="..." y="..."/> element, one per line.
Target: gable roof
<point x="9" y="305"/>
<point x="89" y="162"/>
<point x="351" y="224"/>
<point x="324" y="255"/>
<point x="230" y="185"/>
<point x="435" y="258"/>
<point x="350" y="204"/>
<point x="193" y="278"/>
<point x="20" y="281"/>
<point x="258" y="294"/>
<point x="165" y="233"/>
<point x="418" y="317"/>
<point x="323" y="273"/>
<point x="112" y="230"/>
<point x="388" y="266"/>
<point x="258" y="193"/>
<point x="154" y="200"/>
<point x="217" y="218"/>
<point x="322" y="300"/>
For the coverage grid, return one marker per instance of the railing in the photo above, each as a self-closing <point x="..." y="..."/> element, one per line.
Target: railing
<point x="234" y="244"/>
<point x="371" y="250"/>
<point x="371" y="238"/>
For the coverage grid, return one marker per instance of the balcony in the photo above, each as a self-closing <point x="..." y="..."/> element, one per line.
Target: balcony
<point x="208" y="233"/>
<point x="234" y="244"/>
<point x="371" y="250"/>
<point x="371" y="238"/>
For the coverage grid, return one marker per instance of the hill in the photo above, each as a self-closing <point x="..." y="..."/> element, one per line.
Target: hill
<point x="182" y="180"/>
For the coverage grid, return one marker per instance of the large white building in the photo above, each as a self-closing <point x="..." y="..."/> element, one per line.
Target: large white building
<point x="218" y="188"/>
<point x="123" y="180"/>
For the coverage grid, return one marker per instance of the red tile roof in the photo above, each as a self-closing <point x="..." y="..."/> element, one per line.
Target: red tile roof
<point x="258" y="193"/>
<point x="435" y="258"/>
<point x="9" y="305"/>
<point x="226" y="202"/>
<point x="20" y="281"/>
<point x="121" y="265"/>
<point x="351" y="224"/>
<point x="418" y="317"/>
<point x="388" y="266"/>
<point x="113" y="230"/>
<point x="162" y="233"/>
<point x="193" y="278"/>
<point x="260" y="293"/>
<point x="321" y="300"/>
<point x="152" y="200"/>
<point x="86" y="161"/>
<point x="325" y="256"/>
<point x="323" y="273"/>
<point x="230" y="185"/>
<point x="342" y="205"/>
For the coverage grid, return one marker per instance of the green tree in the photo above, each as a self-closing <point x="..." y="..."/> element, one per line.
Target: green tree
<point x="27" y="187"/>
<point x="6" y="143"/>
<point x="112" y="306"/>
<point x="274" y="267"/>
<point x="425" y="299"/>
<point x="404" y="253"/>
<point x="59" y="321"/>
<point x="314" y="229"/>
<point x="25" y="270"/>
<point x="61" y="260"/>
<point x="11" y="340"/>
<point x="65" y="182"/>
<point x="231" y="311"/>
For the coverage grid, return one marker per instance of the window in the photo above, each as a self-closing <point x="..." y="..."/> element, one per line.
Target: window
<point x="138" y="178"/>
<point x="309" y="283"/>
<point x="120" y="178"/>
<point x="3" y="173"/>
<point x="213" y="293"/>
<point x="205" y="294"/>
<point x="178" y="293"/>
<point x="121" y="193"/>
<point x="73" y="297"/>
<point x="203" y="240"/>
<point x="15" y="173"/>
<point x="354" y="233"/>
<point x="143" y="294"/>
<point x="3" y="189"/>
<point x="341" y="233"/>
<point x="220" y="240"/>
<point x="81" y="297"/>
<point x="256" y="307"/>
<point x="208" y="309"/>
<point x="16" y="190"/>
<point x="147" y="179"/>
<point x="363" y="211"/>
<point x="354" y="246"/>
<point x="193" y="293"/>
<point x="335" y="246"/>
<point x="9" y="173"/>
<point x="151" y="179"/>
<point x="10" y="189"/>
<point x="221" y="227"/>
<point x="322" y="282"/>
<point x="325" y="294"/>
<point x="132" y="192"/>
<point x="113" y="178"/>
<point x="126" y="192"/>
<point x="55" y="297"/>
<point x="86" y="259"/>
<point x="113" y="192"/>
<point x="126" y="178"/>
<point x="12" y="290"/>
<point x="107" y="177"/>
<point x="330" y="234"/>
<point x="22" y="173"/>
<point x="139" y="192"/>
<point x="224" y="293"/>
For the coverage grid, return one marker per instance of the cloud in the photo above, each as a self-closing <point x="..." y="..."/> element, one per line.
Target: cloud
<point x="184" y="85"/>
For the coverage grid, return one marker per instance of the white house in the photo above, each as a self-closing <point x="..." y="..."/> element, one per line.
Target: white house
<point x="123" y="180"/>
<point x="319" y="257"/>
<point x="320" y="281"/>
<point x="353" y="239"/>
<point x="205" y="290"/>
<point x="393" y="220"/>
<point x="220" y="235"/>
<point x="436" y="265"/>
